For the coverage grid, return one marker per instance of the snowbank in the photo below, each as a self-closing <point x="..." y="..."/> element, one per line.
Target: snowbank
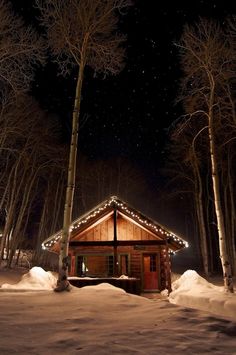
<point x="102" y="287"/>
<point x="191" y="290"/>
<point x="36" y="279"/>
<point x="103" y="320"/>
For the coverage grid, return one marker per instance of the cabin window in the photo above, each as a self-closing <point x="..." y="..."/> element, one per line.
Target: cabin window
<point x="153" y="262"/>
<point x="110" y="265"/>
<point x="81" y="266"/>
<point x="103" y="265"/>
<point x="124" y="264"/>
<point x="95" y="265"/>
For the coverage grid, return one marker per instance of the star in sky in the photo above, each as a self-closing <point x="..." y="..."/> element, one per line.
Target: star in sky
<point x="130" y="114"/>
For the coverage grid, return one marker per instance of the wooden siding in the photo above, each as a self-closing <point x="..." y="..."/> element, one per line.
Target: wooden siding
<point x="126" y="231"/>
<point x="136" y="263"/>
<point x="104" y="231"/>
<point x="135" y="256"/>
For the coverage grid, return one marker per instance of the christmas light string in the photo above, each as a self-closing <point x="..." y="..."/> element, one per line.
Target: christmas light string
<point x="113" y="201"/>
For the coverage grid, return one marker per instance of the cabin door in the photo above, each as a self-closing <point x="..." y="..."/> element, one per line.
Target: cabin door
<point x="150" y="274"/>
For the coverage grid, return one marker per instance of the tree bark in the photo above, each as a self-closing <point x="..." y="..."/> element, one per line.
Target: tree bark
<point x="227" y="274"/>
<point x="62" y="282"/>
<point x="200" y="214"/>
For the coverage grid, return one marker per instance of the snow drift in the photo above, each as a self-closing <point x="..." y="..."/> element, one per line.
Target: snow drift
<point x="192" y="290"/>
<point x="105" y="320"/>
<point x="36" y="279"/>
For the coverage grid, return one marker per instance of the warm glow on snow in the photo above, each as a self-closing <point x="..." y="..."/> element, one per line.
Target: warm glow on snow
<point x="192" y="290"/>
<point x="35" y="279"/>
<point x="104" y="319"/>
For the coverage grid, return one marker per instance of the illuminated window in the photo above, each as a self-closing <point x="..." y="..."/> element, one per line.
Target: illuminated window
<point x="124" y="264"/>
<point x="153" y="263"/>
<point x="95" y="265"/>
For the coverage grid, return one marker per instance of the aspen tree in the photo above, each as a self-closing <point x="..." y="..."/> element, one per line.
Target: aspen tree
<point x="208" y="64"/>
<point x="81" y="33"/>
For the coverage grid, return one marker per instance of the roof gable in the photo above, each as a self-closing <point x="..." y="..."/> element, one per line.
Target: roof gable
<point x="103" y="210"/>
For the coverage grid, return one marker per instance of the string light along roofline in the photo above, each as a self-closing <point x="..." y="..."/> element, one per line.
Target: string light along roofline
<point x="115" y="201"/>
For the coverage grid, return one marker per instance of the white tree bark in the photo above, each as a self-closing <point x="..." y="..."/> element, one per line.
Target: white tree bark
<point x="63" y="282"/>
<point x="227" y="273"/>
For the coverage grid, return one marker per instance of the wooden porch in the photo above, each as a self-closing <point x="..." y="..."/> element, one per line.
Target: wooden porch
<point x="130" y="285"/>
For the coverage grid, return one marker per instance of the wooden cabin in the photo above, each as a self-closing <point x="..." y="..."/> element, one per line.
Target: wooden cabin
<point x="114" y="240"/>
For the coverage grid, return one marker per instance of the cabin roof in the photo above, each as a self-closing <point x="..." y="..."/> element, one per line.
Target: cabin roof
<point x="175" y="242"/>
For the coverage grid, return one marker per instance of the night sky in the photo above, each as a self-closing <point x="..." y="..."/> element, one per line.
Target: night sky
<point x="129" y="115"/>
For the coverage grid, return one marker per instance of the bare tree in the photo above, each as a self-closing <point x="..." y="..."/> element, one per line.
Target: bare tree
<point x="51" y="202"/>
<point x="208" y="64"/>
<point x="21" y="50"/>
<point x="80" y="33"/>
<point x="28" y="153"/>
<point x="100" y="179"/>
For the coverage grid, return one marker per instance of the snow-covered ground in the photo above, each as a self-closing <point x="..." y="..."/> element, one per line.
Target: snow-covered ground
<point x="106" y="320"/>
<point x="191" y="290"/>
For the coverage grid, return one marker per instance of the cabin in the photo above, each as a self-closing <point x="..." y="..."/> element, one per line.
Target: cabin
<point x="116" y="243"/>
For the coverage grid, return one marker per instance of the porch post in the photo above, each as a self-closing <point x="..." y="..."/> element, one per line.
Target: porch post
<point x="168" y="269"/>
<point x="115" y="255"/>
<point x="73" y="264"/>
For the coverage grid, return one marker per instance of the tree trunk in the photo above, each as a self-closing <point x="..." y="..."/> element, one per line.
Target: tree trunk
<point x="211" y="241"/>
<point x="62" y="282"/>
<point x="58" y="204"/>
<point x="231" y="195"/>
<point x="200" y="214"/>
<point x="25" y="202"/>
<point x="228" y="280"/>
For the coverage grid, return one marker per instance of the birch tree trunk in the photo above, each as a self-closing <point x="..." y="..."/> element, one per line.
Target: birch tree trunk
<point x="199" y="210"/>
<point x="81" y="33"/>
<point x="225" y="262"/>
<point x="59" y="194"/>
<point x="202" y="230"/>
<point x="208" y="62"/>
<point x="231" y="212"/>
<point x="62" y="282"/>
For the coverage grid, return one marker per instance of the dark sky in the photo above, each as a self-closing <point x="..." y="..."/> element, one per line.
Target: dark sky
<point x="129" y="115"/>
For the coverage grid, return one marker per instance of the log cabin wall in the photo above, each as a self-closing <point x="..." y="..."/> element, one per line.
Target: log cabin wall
<point x="104" y="231"/>
<point x="135" y="259"/>
<point x="126" y="231"/>
<point x="116" y="235"/>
